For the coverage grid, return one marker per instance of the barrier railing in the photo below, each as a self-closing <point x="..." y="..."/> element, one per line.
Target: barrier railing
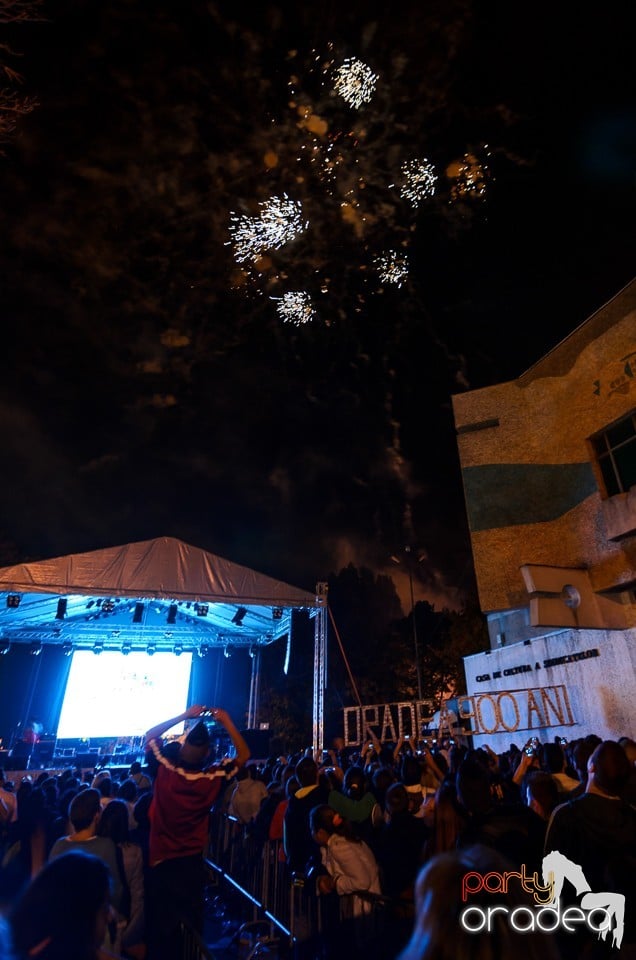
<point x="258" y="871"/>
<point x="193" y="946"/>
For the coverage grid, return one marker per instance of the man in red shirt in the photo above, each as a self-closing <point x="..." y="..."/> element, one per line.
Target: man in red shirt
<point x="184" y="790"/>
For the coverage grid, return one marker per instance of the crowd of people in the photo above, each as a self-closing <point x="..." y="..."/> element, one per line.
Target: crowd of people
<point x="95" y="866"/>
<point x="384" y="836"/>
<point x="366" y="824"/>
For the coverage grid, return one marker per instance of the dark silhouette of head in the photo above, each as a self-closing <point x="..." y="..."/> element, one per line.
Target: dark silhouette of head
<point x="355" y="783"/>
<point x="381" y="780"/>
<point x="396" y="800"/>
<point x="128" y="790"/>
<point x="195" y="748"/>
<point x="542" y="792"/>
<point x="292" y="786"/>
<point x="307" y="772"/>
<point x="410" y="771"/>
<point x="448" y="817"/>
<point x="64" y="911"/>
<point x="581" y="753"/>
<point x="113" y="822"/>
<point x="84" y="807"/>
<point x="609" y="768"/>
<point x="142" y="806"/>
<point x="473" y="786"/>
<point x="553" y="758"/>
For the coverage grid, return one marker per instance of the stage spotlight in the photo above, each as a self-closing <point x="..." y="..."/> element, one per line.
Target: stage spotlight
<point x="252" y="653"/>
<point x="203" y="650"/>
<point x="151" y="649"/>
<point x="201" y="609"/>
<point x="98" y="647"/>
<point x="239" y="616"/>
<point x="61" y="608"/>
<point x="67" y="648"/>
<point x="178" y="649"/>
<point x="277" y="613"/>
<point x="126" y="648"/>
<point x="13" y="600"/>
<point x="35" y="649"/>
<point x="172" y="613"/>
<point x="4" y="647"/>
<point x="108" y="606"/>
<point x="227" y="652"/>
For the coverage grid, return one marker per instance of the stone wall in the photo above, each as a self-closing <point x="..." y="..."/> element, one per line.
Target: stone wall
<point x="570" y="683"/>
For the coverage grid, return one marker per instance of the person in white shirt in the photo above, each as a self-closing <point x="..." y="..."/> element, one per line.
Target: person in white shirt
<point x="247" y="795"/>
<point x="351" y="872"/>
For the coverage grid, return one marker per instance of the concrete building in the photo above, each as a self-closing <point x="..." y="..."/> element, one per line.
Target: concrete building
<point x="549" y="471"/>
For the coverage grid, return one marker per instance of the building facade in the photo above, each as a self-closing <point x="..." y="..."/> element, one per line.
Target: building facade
<point x="549" y="472"/>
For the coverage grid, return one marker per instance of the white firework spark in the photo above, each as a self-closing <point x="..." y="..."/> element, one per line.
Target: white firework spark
<point x="392" y="267"/>
<point x="419" y="179"/>
<point x="280" y="222"/>
<point x="355" y="82"/>
<point x="469" y="177"/>
<point x="295" y="307"/>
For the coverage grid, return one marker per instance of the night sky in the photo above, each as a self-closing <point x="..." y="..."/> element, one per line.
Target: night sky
<point x="150" y="385"/>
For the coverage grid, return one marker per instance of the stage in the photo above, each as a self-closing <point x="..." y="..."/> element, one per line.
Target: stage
<point x="117" y="752"/>
<point x="50" y="752"/>
<point x="83" y="773"/>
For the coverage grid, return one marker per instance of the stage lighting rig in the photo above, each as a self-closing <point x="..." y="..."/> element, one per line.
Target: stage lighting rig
<point x="239" y="616"/>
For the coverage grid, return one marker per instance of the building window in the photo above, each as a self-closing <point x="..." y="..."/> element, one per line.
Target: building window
<point x="615" y="450"/>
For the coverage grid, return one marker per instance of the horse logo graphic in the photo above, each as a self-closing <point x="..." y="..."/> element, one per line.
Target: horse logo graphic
<point x="557" y="868"/>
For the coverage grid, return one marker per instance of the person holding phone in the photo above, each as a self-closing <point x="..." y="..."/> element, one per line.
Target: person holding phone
<point x="185" y="787"/>
<point x="341" y="753"/>
<point x="528" y="760"/>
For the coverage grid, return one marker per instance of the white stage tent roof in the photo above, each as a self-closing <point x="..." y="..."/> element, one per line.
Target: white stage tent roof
<point x="160" y="592"/>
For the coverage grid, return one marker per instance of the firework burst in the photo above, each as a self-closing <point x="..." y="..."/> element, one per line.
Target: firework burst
<point x="280" y="222"/>
<point x="469" y="176"/>
<point x="355" y="82"/>
<point x="295" y="307"/>
<point x="418" y="181"/>
<point x="392" y="267"/>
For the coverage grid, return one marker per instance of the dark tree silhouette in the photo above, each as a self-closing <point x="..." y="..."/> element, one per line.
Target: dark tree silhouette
<point x="14" y="104"/>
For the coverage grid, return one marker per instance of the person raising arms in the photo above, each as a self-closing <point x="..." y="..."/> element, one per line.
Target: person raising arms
<point x="184" y="788"/>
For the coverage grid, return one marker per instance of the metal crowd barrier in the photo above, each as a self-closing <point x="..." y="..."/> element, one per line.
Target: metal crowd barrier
<point x="259" y="872"/>
<point x="193" y="947"/>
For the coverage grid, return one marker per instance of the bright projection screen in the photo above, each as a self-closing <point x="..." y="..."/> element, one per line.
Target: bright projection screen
<point x="113" y="695"/>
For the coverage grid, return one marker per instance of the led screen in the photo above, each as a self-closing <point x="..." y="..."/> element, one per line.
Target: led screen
<point x="112" y="695"/>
